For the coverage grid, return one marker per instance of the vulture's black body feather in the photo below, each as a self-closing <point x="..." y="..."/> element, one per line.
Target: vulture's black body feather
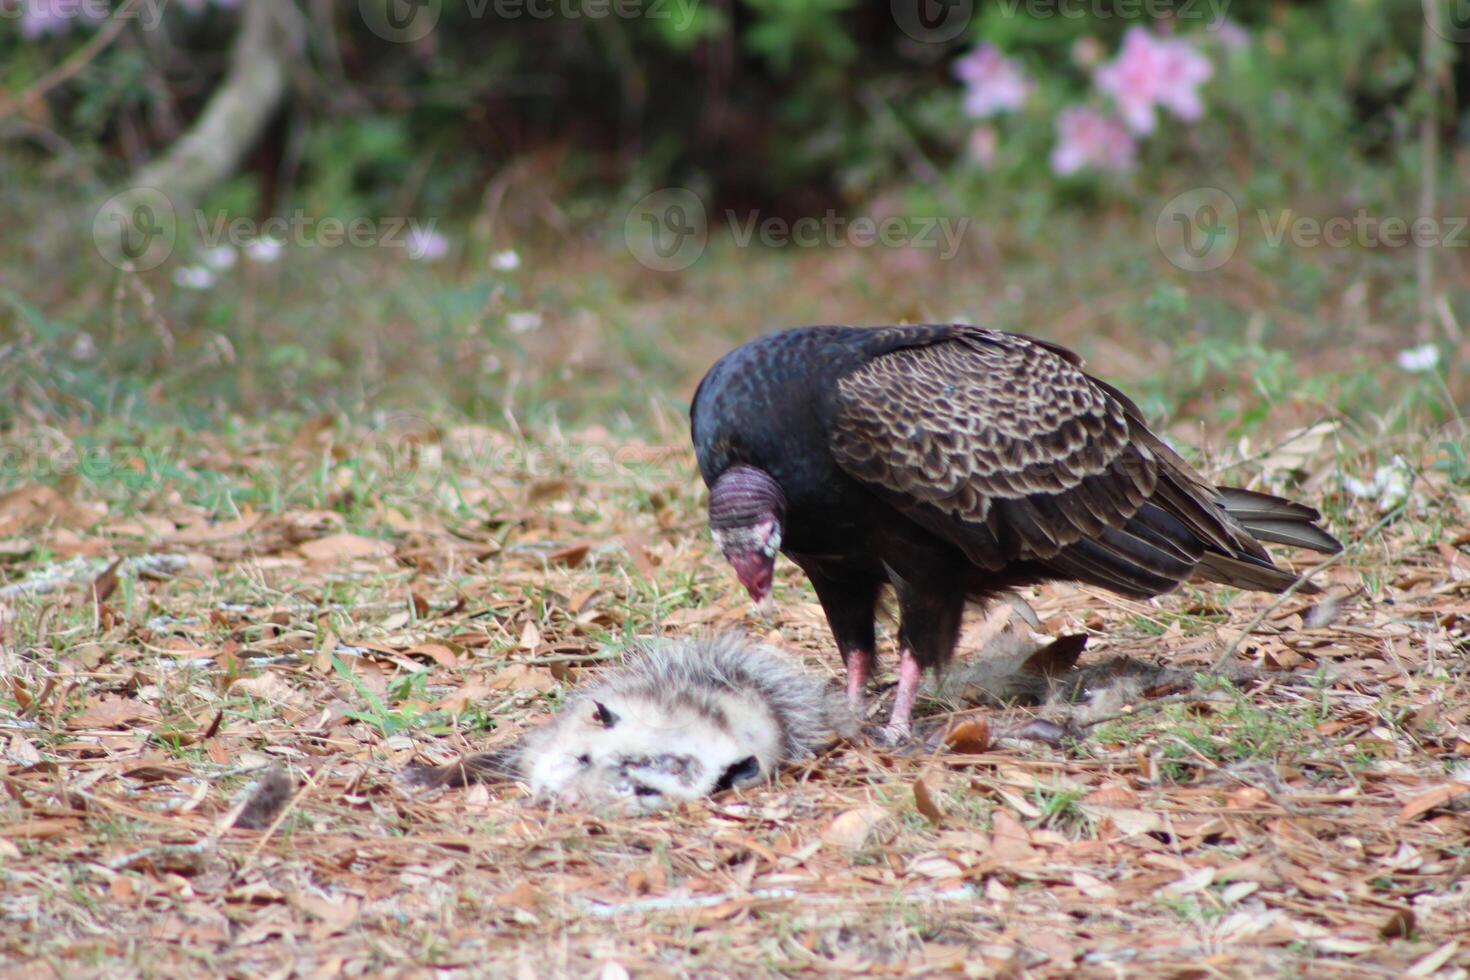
<point x="955" y="462"/>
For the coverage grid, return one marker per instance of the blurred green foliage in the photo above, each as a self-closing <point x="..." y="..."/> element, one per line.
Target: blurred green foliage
<point x="779" y="102"/>
<point x="538" y="133"/>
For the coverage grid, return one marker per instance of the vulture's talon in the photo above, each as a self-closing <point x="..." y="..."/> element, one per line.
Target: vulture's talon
<point x="895" y="737"/>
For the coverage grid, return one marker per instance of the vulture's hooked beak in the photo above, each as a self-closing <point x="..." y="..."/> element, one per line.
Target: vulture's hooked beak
<point x="755" y="571"/>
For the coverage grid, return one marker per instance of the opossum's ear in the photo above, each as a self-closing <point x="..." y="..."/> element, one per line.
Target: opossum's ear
<point x="746" y="770"/>
<point x="602" y="715"/>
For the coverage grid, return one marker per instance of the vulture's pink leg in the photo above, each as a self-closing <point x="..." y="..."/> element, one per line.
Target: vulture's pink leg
<point x="857" y="679"/>
<point x="909" y="672"/>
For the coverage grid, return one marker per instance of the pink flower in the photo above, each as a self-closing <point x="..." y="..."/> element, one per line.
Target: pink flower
<point x="1151" y="71"/>
<point x="982" y="146"/>
<point x="1087" y="51"/>
<point x="427" y="245"/>
<point x="1088" y="138"/>
<point x="993" y="82"/>
<point x="41" y="17"/>
<point x="1232" y="36"/>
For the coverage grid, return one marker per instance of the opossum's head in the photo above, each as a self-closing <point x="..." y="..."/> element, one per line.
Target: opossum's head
<point x="605" y="753"/>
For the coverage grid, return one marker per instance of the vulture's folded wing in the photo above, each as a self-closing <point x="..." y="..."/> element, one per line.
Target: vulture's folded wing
<point x="1003" y="446"/>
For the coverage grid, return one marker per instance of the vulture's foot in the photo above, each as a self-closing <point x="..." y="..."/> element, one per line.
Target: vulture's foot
<point x="891" y="736"/>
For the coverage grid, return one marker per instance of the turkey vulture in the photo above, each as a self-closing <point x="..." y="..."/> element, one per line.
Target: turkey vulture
<point x="953" y="463"/>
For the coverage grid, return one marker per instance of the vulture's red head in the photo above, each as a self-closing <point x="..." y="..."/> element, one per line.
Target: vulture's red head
<point x="746" y="513"/>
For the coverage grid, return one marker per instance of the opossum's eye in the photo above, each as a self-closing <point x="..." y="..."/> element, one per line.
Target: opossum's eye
<point x="641" y="790"/>
<point x="604" y="716"/>
<point x="584" y="759"/>
<point x="744" y="771"/>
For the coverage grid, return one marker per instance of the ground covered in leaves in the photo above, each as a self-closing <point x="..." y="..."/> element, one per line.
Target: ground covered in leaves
<point x="204" y="703"/>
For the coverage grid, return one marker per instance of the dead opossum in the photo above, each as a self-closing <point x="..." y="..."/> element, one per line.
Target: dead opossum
<point x="681" y="720"/>
<point x="1020" y="670"/>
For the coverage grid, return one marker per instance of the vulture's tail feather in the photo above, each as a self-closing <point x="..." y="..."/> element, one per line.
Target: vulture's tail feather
<point x="1272" y="519"/>
<point x="1278" y="520"/>
<point x="1249" y="573"/>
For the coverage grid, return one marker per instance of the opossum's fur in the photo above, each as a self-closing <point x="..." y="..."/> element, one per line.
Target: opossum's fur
<point x="1017" y="669"/>
<point x="680" y="720"/>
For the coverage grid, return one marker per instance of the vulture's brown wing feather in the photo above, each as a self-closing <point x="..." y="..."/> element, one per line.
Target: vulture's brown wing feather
<point x="1005" y="447"/>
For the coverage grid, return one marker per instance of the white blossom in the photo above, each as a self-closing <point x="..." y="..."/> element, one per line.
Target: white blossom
<point x="219" y="257"/>
<point x="1390" y="484"/>
<point x="522" y="321"/>
<point x="1419" y="359"/>
<point x="427" y="245"/>
<point x="193" y="277"/>
<point x="264" y="250"/>
<point x="505" y="260"/>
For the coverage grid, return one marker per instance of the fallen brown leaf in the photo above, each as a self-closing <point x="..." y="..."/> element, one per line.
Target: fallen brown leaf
<point x="1436" y="797"/>
<point x="345" y="547"/>
<point x="1400" y="925"/>
<point x="850" y="830"/>
<point x="113" y="713"/>
<point x="105" y="584"/>
<point x="520" y="677"/>
<point x="970" y="737"/>
<point x="924" y="803"/>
